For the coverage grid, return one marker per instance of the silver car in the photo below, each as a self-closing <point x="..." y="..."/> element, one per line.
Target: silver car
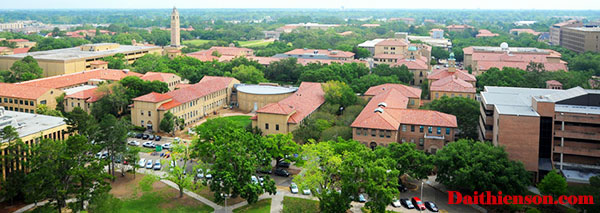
<point x="294" y="188"/>
<point x="149" y="164"/>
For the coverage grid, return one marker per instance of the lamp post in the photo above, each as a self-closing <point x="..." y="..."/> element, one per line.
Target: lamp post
<point x="421" y="190"/>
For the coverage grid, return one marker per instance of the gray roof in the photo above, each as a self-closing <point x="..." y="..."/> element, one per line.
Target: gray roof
<point x="511" y="49"/>
<point x="370" y="43"/>
<point x="28" y="123"/>
<point x="265" y="89"/>
<point x="517" y="101"/>
<point x="74" y="90"/>
<point x="76" y="53"/>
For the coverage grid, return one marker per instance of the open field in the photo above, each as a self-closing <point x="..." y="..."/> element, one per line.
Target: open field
<point x="262" y="206"/>
<point x="294" y="204"/>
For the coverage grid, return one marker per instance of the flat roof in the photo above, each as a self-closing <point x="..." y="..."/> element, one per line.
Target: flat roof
<point x="265" y="89"/>
<point x="78" y="89"/>
<point x="577" y="109"/>
<point x="76" y="53"/>
<point x="28" y="123"/>
<point x="370" y="43"/>
<point x="587" y="29"/>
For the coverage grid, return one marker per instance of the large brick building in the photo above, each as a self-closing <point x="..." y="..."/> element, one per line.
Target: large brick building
<point x="545" y="128"/>
<point x="387" y="119"/>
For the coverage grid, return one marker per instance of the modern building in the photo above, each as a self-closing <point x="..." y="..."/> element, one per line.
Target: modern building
<point x="481" y="59"/>
<point x="436" y="33"/>
<point x="32" y="128"/>
<point x="545" y="128"/>
<point x="412" y="94"/>
<point x="451" y="82"/>
<point x="288" y="28"/>
<point x="556" y="30"/>
<point x="581" y="39"/>
<point x="272" y="34"/>
<point x="286" y="115"/>
<point x="191" y="103"/>
<point x="250" y="98"/>
<point x="434" y="42"/>
<point x="408" y="21"/>
<point x="317" y="54"/>
<point x="485" y="33"/>
<point x="386" y="119"/>
<point x="78" y="59"/>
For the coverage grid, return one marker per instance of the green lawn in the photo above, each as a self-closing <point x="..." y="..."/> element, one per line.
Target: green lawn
<point x="196" y="41"/>
<point x="242" y="120"/>
<point x="293" y="205"/>
<point x="255" y="43"/>
<point x="262" y="206"/>
<point x="161" y="202"/>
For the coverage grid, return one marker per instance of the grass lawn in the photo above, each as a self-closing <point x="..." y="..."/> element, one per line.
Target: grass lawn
<point x="255" y="43"/>
<point x="294" y="204"/>
<point x="242" y="120"/>
<point x="262" y="206"/>
<point x="205" y="192"/>
<point x="196" y="41"/>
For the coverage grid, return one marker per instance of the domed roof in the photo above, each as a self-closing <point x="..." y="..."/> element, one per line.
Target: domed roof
<point x="504" y="45"/>
<point x="451" y="56"/>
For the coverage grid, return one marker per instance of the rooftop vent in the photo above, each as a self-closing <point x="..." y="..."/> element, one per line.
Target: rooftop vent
<point x="316" y="52"/>
<point x="379" y="109"/>
<point x="382" y="104"/>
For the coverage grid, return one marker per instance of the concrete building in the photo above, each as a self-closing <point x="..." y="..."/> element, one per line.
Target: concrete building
<point x="215" y="53"/>
<point x="272" y="34"/>
<point x="434" y="42"/>
<point x="370" y="45"/>
<point x="190" y="103"/>
<point x="581" y="39"/>
<point x="78" y="59"/>
<point x="250" y="98"/>
<point x="556" y="30"/>
<point x="436" y="33"/>
<point x="32" y="128"/>
<point x="317" y="54"/>
<point x="286" y="115"/>
<point x="480" y="59"/>
<point x="451" y="82"/>
<point x="386" y="119"/>
<point x="545" y="128"/>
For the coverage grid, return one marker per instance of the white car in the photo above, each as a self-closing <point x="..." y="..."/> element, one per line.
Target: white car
<point x="149" y="164"/>
<point x="199" y="174"/>
<point x="208" y="175"/>
<point x="294" y="188"/>
<point x="142" y="162"/>
<point x="102" y="155"/>
<point x="133" y="143"/>
<point x="167" y="146"/>
<point x="254" y="179"/>
<point x="396" y="203"/>
<point x="149" y="144"/>
<point x="306" y="191"/>
<point x="157" y="166"/>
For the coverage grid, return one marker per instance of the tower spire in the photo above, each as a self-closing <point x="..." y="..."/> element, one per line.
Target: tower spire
<point x="175" y="28"/>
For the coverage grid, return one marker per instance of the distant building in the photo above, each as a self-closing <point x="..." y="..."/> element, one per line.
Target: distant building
<point x="481" y="59"/>
<point x="175" y="28"/>
<point x="451" y="82"/>
<point x="288" y="28"/>
<point x="437" y="33"/>
<point x="434" y="42"/>
<point x="11" y="26"/>
<point x="190" y="103"/>
<point x="409" y="21"/>
<point x="553" y="84"/>
<point x="272" y="34"/>
<point x="581" y="39"/>
<point x="22" y="43"/>
<point x="398" y="52"/>
<point x="524" y="23"/>
<point x="485" y="33"/>
<point x="458" y="28"/>
<point x="370" y="45"/>
<point x="519" y="31"/>
<point x="317" y="54"/>
<point x="214" y="53"/>
<point x="286" y="115"/>
<point x="78" y="59"/>
<point x="545" y="128"/>
<point x="370" y="25"/>
<point x="556" y="30"/>
<point x="32" y="128"/>
<point x="387" y="119"/>
<point x="346" y="33"/>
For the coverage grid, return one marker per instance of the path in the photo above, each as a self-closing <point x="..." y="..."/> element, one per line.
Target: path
<point x="277" y="202"/>
<point x="31" y="206"/>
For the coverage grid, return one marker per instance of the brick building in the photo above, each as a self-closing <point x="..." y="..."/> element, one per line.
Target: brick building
<point x="451" y="82"/>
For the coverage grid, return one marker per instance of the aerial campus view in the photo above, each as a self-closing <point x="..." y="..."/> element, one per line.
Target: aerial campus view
<point x="300" y="106"/>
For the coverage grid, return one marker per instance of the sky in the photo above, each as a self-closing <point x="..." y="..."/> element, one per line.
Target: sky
<point x="361" y="4"/>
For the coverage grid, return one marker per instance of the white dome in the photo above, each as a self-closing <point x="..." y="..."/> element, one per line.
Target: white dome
<point x="504" y="45"/>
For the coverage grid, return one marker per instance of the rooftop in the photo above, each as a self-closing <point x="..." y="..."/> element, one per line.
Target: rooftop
<point x="306" y="100"/>
<point x="22" y="91"/>
<point x="329" y="53"/>
<point x="28" y="123"/>
<point x="370" y="43"/>
<point x="264" y="89"/>
<point x="67" y="80"/>
<point x="407" y="91"/>
<point x="76" y="53"/>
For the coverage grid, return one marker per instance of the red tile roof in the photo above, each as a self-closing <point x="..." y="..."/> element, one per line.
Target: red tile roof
<point x="21" y="50"/>
<point x="418" y="63"/>
<point x="18" y="40"/>
<point x="442" y="73"/>
<point x="499" y="59"/>
<point x="22" y="91"/>
<point x="302" y="103"/>
<point x="98" y="62"/>
<point x="452" y="84"/>
<point x="204" y="55"/>
<point x="90" y="95"/>
<point x="330" y="53"/>
<point x="158" y="76"/>
<point x="486" y="33"/>
<point x="392" y="42"/>
<point x="553" y="82"/>
<point x="153" y="97"/>
<point x="62" y="81"/>
<point x="486" y="65"/>
<point x="407" y="91"/>
<point x="530" y="31"/>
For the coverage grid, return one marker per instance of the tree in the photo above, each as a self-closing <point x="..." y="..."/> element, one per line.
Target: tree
<point x="152" y="63"/>
<point x="281" y="145"/>
<point x="439" y="53"/>
<point x="112" y="137"/>
<point x="42" y="109"/>
<point x="363" y="83"/>
<point x="176" y="173"/>
<point x="24" y="70"/>
<point x="337" y="92"/>
<point x="247" y="74"/>
<point x="114" y="101"/>
<point x="553" y="184"/>
<point x="466" y="111"/>
<point x="285" y="70"/>
<point x="400" y="72"/>
<point x="360" y="52"/>
<point x="15" y="150"/>
<point x="116" y="61"/>
<point x="135" y="87"/>
<point x="167" y="124"/>
<point x="132" y="155"/>
<point x="409" y="160"/>
<point x="468" y="165"/>
<point x="381" y="183"/>
<point x="79" y="121"/>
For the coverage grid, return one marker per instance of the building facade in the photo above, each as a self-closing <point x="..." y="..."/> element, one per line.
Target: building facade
<point x="318" y="54"/>
<point x="545" y="128"/>
<point x="412" y="94"/>
<point x="556" y="30"/>
<point x="250" y="98"/>
<point x="451" y="82"/>
<point x="23" y="98"/>
<point x="581" y="39"/>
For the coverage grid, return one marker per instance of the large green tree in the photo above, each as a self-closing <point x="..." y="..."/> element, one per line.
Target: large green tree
<point x="337" y="92"/>
<point x="247" y="74"/>
<point x="401" y="73"/>
<point x="135" y="87"/>
<point x="553" y="184"/>
<point x="167" y="124"/>
<point x="24" y="70"/>
<point x="466" y="111"/>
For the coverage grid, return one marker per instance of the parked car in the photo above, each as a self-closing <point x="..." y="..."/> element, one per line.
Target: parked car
<point x="149" y="164"/>
<point x="261" y="179"/>
<point x="133" y="143"/>
<point x="139" y="135"/>
<point x="145" y="137"/>
<point x="282" y="172"/>
<point x="149" y="144"/>
<point x="142" y="162"/>
<point x="151" y="137"/>
<point x="407" y="203"/>
<point x="157" y="166"/>
<point x="401" y="187"/>
<point x="396" y="203"/>
<point x="167" y="146"/>
<point x="431" y="206"/>
<point x="361" y="198"/>
<point x="264" y="170"/>
<point x="200" y="173"/>
<point x="283" y="164"/>
<point x="254" y="179"/>
<point x="157" y="138"/>
<point x="294" y="188"/>
<point x="306" y="191"/>
<point x="418" y="203"/>
<point x="102" y="155"/>
<point x="208" y="175"/>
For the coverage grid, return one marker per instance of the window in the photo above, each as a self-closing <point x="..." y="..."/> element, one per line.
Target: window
<point x="385" y="48"/>
<point x="392" y="48"/>
<point x="142" y="122"/>
<point x="439" y="130"/>
<point x="421" y="129"/>
<point x="412" y="128"/>
<point x="276" y="126"/>
<point x="10" y="100"/>
<point x="373" y="133"/>
<point x="5" y="100"/>
<point x="43" y="102"/>
<point x="421" y="141"/>
<point x="437" y="95"/>
<point x="447" y="131"/>
<point x="149" y="113"/>
<point x="381" y="133"/>
<point x="142" y="112"/>
<point x="78" y="104"/>
<point x="72" y="104"/>
<point x="266" y="126"/>
<point x="365" y="132"/>
<point x="21" y="102"/>
<point x="412" y="102"/>
<point x="388" y="133"/>
<point x="403" y="140"/>
<point x="452" y="96"/>
<point x="430" y="129"/>
<point x="357" y="131"/>
<point x="404" y="128"/>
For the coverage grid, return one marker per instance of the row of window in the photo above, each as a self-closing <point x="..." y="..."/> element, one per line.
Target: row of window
<point x="387" y="133"/>
<point x="276" y="126"/>
<point x="17" y="101"/>
<point x="391" y="48"/>
<point x="16" y="109"/>
<point x="429" y="129"/>
<point x="437" y="95"/>
<point x="382" y="133"/>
